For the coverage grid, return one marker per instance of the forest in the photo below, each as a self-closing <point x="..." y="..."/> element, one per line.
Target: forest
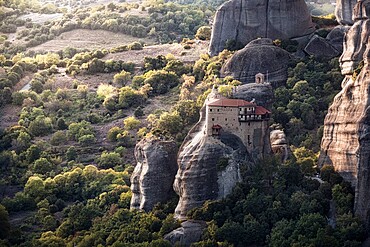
<point x="67" y="140"/>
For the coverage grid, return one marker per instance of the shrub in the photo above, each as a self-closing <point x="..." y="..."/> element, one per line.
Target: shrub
<point x="41" y="126"/>
<point x="131" y="123"/>
<point x="86" y="140"/>
<point x="113" y="132"/>
<point x="109" y="160"/>
<point x="204" y="33"/>
<point x="58" y="138"/>
<point x="135" y="46"/>
<point x="122" y="78"/>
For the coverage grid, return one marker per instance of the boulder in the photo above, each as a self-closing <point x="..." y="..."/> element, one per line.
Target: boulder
<point x="242" y="21"/>
<point x="343" y="11"/>
<point x="153" y="176"/>
<point x="320" y="47"/>
<point x="262" y="94"/>
<point x="279" y="144"/>
<point x="259" y="56"/>
<point x="336" y="37"/>
<point x="189" y="232"/>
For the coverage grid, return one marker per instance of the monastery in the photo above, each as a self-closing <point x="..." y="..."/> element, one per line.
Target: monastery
<point x="242" y="118"/>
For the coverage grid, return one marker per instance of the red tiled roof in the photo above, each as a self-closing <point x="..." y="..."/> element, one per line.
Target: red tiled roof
<point x="260" y="110"/>
<point x="231" y="103"/>
<point x="216" y="126"/>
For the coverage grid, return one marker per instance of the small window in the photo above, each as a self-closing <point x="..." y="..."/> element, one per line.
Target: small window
<point x="210" y="109"/>
<point x="225" y="119"/>
<point x="213" y="119"/>
<point x="218" y="109"/>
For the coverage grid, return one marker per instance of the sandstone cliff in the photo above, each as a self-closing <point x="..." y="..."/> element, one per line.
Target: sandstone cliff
<point x="245" y="20"/>
<point x="355" y="41"/>
<point x="343" y="11"/>
<point x="346" y="143"/>
<point x="152" y="179"/>
<point x="259" y="56"/>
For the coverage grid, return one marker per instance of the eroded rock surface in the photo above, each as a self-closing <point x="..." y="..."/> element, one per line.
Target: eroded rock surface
<point x="343" y="11"/>
<point x="152" y="179"/>
<point x="346" y="142"/>
<point x="320" y="47"/>
<point x="356" y="39"/>
<point x="279" y="144"/>
<point x="259" y="56"/>
<point x="262" y="94"/>
<point x="189" y="232"/>
<point x="209" y="167"/>
<point x="245" y="20"/>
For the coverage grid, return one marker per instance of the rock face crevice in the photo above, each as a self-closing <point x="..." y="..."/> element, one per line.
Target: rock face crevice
<point x="153" y="176"/>
<point x="346" y="141"/>
<point x="244" y="20"/>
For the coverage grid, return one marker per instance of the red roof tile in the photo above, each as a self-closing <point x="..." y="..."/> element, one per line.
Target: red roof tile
<point x="216" y="126"/>
<point x="231" y="103"/>
<point x="260" y="110"/>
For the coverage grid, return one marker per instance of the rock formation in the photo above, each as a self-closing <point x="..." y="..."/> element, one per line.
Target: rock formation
<point x="336" y="37"/>
<point x="189" y="232"/>
<point x="262" y="94"/>
<point x="244" y="20"/>
<point x="259" y="56"/>
<point x="209" y="167"/>
<point x="346" y="142"/>
<point x="279" y="144"/>
<point x="355" y="41"/>
<point x="343" y="11"/>
<point x="320" y="47"/>
<point x="152" y="179"/>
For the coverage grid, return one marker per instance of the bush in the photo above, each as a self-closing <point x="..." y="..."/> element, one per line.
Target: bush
<point x="122" y="78"/>
<point x="41" y="126"/>
<point x="58" y="138"/>
<point x="87" y="140"/>
<point x="109" y="160"/>
<point x="113" y="132"/>
<point x="135" y="46"/>
<point x="204" y="33"/>
<point x="131" y="123"/>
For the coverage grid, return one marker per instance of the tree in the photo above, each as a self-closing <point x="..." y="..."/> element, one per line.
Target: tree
<point x="42" y="166"/>
<point x="4" y="223"/>
<point x="71" y="153"/>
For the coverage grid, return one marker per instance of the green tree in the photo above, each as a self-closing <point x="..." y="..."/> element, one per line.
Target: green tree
<point x="4" y="223"/>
